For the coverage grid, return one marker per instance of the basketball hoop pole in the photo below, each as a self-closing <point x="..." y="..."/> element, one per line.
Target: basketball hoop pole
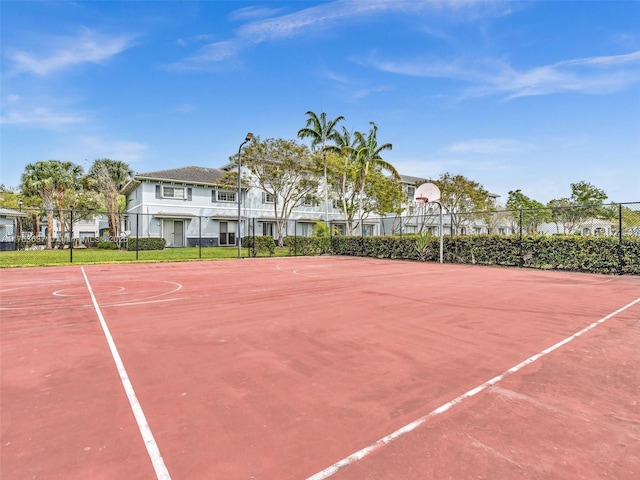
<point x="423" y="192"/>
<point x="426" y="200"/>
<point x="441" y="233"/>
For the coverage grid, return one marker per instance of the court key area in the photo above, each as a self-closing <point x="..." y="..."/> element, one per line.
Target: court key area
<point x="309" y="368"/>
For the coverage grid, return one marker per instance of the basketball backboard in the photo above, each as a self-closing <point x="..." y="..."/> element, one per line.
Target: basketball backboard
<point x="427" y="192"/>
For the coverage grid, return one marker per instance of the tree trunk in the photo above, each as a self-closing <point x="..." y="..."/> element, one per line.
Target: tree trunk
<point x="59" y="195"/>
<point x="49" y="229"/>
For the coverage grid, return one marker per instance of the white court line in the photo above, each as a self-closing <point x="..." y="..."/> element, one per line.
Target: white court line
<point x="360" y="454"/>
<point x="152" y="447"/>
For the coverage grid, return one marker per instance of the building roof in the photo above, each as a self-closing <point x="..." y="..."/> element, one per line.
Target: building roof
<point x="412" y="180"/>
<point x="188" y="175"/>
<point x="8" y="212"/>
<point x="192" y="174"/>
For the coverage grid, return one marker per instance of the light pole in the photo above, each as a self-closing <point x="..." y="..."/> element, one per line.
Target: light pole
<point x="247" y="139"/>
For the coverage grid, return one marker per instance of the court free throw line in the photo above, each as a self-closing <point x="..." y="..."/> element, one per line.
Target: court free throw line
<point x="152" y="447"/>
<point x="360" y="454"/>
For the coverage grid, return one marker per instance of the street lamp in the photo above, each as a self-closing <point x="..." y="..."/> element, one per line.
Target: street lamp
<point x="247" y="139"/>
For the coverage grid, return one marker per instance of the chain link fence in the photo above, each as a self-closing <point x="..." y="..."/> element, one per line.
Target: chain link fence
<point x="95" y="237"/>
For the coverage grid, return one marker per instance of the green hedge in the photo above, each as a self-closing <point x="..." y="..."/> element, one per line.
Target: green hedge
<point x="306" y="245"/>
<point x="573" y="253"/>
<point x="146" y="243"/>
<point x="260" y="244"/>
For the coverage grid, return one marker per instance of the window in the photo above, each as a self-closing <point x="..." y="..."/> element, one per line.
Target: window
<point x="267" y="197"/>
<point x="268" y="228"/>
<point x="411" y="192"/>
<point x="174" y="192"/>
<point x="308" y="202"/>
<point x="182" y="193"/>
<point x="305" y="229"/>
<point x="223" y="196"/>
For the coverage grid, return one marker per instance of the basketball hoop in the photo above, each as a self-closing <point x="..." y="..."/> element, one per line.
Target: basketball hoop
<point x="426" y="192"/>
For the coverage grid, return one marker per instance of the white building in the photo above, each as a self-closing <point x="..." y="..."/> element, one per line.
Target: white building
<point x="186" y="204"/>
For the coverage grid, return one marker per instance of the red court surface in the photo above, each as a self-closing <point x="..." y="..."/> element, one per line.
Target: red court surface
<point x="318" y="367"/>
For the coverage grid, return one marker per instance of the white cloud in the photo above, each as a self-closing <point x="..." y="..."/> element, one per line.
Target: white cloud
<point x="87" y="47"/>
<point x="337" y="78"/>
<point x="594" y="75"/>
<point x="184" y="108"/>
<point x="311" y="20"/>
<point x="365" y="92"/>
<point x="183" y="42"/>
<point x="208" y="56"/>
<point x="40" y="117"/>
<point x="488" y="146"/>
<point x="251" y="13"/>
<point x="98" y="147"/>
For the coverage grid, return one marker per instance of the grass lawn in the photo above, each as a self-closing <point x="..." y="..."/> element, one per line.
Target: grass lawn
<point x="84" y="256"/>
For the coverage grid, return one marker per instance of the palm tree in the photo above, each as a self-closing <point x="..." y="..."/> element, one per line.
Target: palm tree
<point x="67" y="177"/>
<point x="368" y="155"/>
<point x="321" y="131"/>
<point x="40" y="179"/>
<point x="109" y="177"/>
<point x="346" y="145"/>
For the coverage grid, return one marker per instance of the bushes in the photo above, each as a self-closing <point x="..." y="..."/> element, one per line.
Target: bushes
<point x="567" y="252"/>
<point x="146" y="243"/>
<point x="305" y="245"/>
<point x="107" y="245"/>
<point x="260" y="244"/>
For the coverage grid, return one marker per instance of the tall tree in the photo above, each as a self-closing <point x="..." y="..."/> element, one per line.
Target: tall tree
<point x="109" y="177"/>
<point x="368" y="156"/>
<point x="460" y="196"/>
<point x="67" y="178"/>
<point x="347" y="153"/>
<point x="321" y="131"/>
<point x="85" y="205"/>
<point x="382" y="194"/>
<point x="526" y="211"/>
<point x="285" y="172"/>
<point x="39" y="178"/>
<point x="584" y="204"/>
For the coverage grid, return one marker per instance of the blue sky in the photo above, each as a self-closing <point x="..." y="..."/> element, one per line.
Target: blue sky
<point x="514" y="95"/>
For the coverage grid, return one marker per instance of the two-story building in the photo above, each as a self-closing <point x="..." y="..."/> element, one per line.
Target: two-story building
<point x="189" y="204"/>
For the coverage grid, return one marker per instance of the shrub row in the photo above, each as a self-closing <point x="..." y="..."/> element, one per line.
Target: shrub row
<point x="573" y="253"/>
<point x="146" y="243"/>
<point x="307" y="245"/>
<point x="260" y="244"/>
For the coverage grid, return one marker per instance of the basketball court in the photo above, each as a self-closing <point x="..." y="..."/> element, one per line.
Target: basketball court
<point x="318" y="367"/>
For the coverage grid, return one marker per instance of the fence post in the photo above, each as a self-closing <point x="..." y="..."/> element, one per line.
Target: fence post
<point x="199" y="238"/>
<point x="253" y="239"/>
<point x="137" y="233"/>
<point x="521" y="259"/>
<point x="71" y="236"/>
<point x="620" y="252"/>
